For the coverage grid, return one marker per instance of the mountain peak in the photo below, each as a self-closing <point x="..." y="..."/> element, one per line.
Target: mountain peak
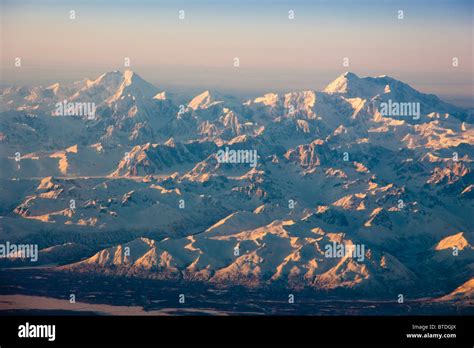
<point x="454" y="241"/>
<point x="170" y="142"/>
<point x="350" y="85"/>
<point x="115" y="85"/>
<point x="349" y="75"/>
<point x="108" y="78"/>
<point x="160" y="96"/>
<point x="54" y="86"/>
<point x="116" y="75"/>
<point x="203" y="101"/>
<point x="341" y="83"/>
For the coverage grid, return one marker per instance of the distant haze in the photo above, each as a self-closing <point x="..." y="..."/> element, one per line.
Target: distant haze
<point x="275" y="53"/>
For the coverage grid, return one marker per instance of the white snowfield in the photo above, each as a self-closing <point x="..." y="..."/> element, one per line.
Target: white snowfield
<point x="331" y="168"/>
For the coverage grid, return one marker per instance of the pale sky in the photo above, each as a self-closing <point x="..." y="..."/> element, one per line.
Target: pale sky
<point x="275" y="53"/>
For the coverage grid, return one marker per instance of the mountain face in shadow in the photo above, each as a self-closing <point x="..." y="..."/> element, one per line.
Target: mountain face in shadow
<point x="365" y="187"/>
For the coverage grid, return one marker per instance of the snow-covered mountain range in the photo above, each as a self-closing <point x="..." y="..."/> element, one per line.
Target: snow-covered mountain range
<point x="139" y="189"/>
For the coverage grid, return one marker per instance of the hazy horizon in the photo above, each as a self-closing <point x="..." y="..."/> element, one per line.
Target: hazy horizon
<point x="184" y="91"/>
<point x="275" y="53"/>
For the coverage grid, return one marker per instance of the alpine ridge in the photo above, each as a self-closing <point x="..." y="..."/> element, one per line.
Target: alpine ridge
<point x="345" y="198"/>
